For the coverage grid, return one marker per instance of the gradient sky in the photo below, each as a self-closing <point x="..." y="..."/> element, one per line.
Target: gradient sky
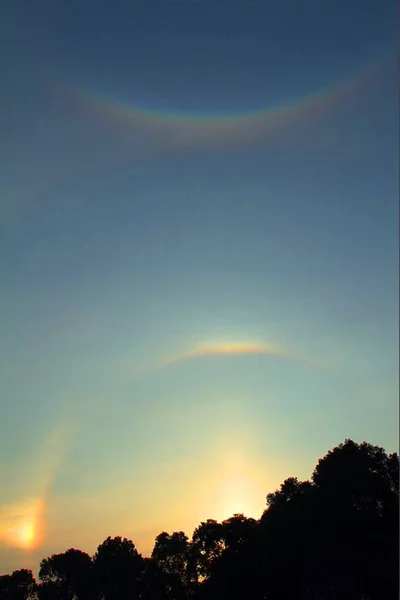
<point x="199" y="271"/>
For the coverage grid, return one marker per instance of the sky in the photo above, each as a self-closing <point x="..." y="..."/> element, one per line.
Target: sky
<point x="198" y="258"/>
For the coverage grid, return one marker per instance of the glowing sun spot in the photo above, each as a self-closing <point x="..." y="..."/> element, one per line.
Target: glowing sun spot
<point x="26" y="534"/>
<point x="20" y="524"/>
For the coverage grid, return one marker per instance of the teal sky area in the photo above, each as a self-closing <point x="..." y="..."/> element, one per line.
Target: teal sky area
<point x="199" y="258"/>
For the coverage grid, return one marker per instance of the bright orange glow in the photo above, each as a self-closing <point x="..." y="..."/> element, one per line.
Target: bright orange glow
<point x="20" y="524"/>
<point x="237" y="487"/>
<point x="234" y="481"/>
<point x="236" y="494"/>
<point x="24" y="534"/>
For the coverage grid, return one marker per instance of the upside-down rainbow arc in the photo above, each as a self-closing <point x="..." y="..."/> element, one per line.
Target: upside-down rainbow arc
<point x="201" y="129"/>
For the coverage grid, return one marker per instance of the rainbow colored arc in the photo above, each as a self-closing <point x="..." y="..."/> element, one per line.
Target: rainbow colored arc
<point x="179" y="129"/>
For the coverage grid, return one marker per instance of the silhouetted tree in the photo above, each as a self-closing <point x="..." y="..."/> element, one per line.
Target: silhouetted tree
<point x="20" y="585"/>
<point x="358" y="510"/>
<point x="51" y="590"/>
<point x="207" y="545"/>
<point x="71" y="571"/>
<point x="118" y="569"/>
<point x="335" y="537"/>
<point x="170" y="553"/>
<point x="228" y="573"/>
<point x="154" y="581"/>
<point x="237" y="530"/>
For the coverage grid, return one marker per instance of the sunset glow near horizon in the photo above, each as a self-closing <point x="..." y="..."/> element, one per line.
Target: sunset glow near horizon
<point x="199" y="270"/>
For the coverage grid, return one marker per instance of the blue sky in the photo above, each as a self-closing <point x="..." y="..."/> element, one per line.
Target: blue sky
<point x="153" y="223"/>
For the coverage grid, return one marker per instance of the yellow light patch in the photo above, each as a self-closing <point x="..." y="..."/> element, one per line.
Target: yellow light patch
<point x="20" y="524"/>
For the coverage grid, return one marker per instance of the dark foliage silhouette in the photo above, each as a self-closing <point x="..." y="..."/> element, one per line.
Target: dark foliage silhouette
<point x="69" y="572"/>
<point x="118" y="569"/>
<point x="170" y="554"/>
<point x="335" y="537"/>
<point x="17" y="586"/>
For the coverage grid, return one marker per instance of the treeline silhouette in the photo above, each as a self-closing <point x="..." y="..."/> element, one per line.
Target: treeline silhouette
<point x="335" y="537"/>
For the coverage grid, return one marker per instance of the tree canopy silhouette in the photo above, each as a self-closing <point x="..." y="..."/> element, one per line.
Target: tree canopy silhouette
<point x="69" y="571"/>
<point x="333" y="537"/>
